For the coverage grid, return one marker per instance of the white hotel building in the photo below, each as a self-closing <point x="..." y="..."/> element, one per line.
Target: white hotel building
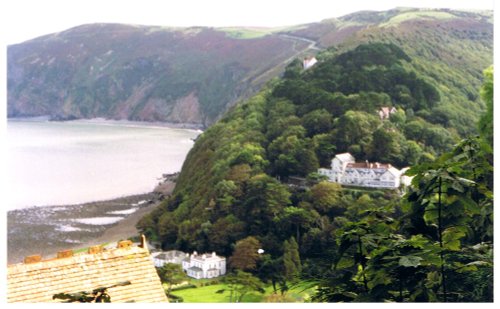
<point x="345" y="171"/>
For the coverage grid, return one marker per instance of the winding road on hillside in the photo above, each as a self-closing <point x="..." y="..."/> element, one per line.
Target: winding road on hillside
<point x="313" y="45"/>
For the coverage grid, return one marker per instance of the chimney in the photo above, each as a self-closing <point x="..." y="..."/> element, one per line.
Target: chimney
<point x="213" y="254"/>
<point x="32" y="259"/>
<point x="144" y="243"/>
<point x="94" y="250"/>
<point x="64" y="254"/>
<point x="124" y="244"/>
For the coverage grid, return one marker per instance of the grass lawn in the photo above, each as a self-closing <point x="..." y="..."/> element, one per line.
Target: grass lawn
<point x="207" y="294"/>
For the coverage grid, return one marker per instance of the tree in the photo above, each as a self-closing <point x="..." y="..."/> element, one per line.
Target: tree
<point x="245" y="254"/>
<point x="224" y="232"/>
<point x="292" y="155"/>
<point x="316" y="122"/>
<point x="171" y="274"/>
<point x="324" y="145"/>
<point x="413" y="152"/>
<point x="325" y="196"/>
<point x="444" y="205"/>
<point x="352" y="127"/>
<point x="263" y="200"/>
<point x="241" y="283"/>
<point x="388" y="145"/>
<point x="291" y="260"/>
<point x="298" y="218"/>
<point x="486" y="121"/>
<point x="398" y="118"/>
<point x="271" y="269"/>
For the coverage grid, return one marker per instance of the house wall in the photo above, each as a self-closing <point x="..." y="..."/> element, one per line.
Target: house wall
<point x="211" y="266"/>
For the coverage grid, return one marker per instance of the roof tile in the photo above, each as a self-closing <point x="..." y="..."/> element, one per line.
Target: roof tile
<point x="38" y="282"/>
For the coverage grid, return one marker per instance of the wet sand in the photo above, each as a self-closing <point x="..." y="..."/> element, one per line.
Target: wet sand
<point x="47" y="230"/>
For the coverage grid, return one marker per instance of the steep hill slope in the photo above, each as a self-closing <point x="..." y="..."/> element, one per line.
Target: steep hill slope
<point x="233" y="183"/>
<point x="142" y="73"/>
<point x="451" y="48"/>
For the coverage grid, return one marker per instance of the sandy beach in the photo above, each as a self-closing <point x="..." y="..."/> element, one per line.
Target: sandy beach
<point x="47" y="230"/>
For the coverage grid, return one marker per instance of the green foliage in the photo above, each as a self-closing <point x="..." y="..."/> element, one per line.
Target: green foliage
<point x="245" y="254"/>
<point x="432" y="251"/>
<point x="291" y="260"/>
<point x="241" y="283"/>
<point x="98" y="295"/>
<point x="325" y="197"/>
<point x="239" y="183"/>
<point x="171" y="274"/>
<point x="486" y="121"/>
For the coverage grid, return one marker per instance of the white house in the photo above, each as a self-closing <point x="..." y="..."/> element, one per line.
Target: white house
<point x="204" y="265"/>
<point x="385" y="112"/>
<point x="344" y="170"/>
<point x="309" y="62"/>
<point x="172" y="256"/>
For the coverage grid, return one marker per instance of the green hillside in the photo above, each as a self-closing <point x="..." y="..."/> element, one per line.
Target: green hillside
<point x="448" y="48"/>
<point x="293" y="127"/>
<point x="235" y="184"/>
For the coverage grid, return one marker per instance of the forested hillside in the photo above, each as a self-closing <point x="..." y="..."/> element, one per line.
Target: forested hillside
<point x="371" y="245"/>
<point x="450" y="48"/>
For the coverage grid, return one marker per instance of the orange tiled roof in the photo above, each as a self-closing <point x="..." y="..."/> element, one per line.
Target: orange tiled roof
<point x="39" y="280"/>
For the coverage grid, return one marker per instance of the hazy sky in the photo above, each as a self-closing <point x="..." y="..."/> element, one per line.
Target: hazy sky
<point x="25" y="19"/>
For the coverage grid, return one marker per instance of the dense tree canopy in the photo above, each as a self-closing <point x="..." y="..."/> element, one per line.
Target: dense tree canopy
<point x="238" y="189"/>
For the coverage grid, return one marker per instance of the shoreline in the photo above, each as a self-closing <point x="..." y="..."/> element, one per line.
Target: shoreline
<point x="159" y="124"/>
<point x="49" y="229"/>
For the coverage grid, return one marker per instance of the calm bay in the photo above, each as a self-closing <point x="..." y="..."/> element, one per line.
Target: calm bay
<point x="61" y="163"/>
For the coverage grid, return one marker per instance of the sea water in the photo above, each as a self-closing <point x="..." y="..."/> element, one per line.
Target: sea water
<point x="61" y="163"/>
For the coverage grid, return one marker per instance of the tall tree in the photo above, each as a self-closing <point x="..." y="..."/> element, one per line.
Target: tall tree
<point x="171" y="274"/>
<point x="246" y="254"/>
<point x="486" y="121"/>
<point x="240" y="283"/>
<point x="291" y="260"/>
<point x="296" y="217"/>
<point x="325" y="197"/>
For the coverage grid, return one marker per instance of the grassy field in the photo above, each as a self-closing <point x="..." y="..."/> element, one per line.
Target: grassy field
<point x="245" y="33"/>
<point x="207" y="294"/>
<point x="417" y="15"/>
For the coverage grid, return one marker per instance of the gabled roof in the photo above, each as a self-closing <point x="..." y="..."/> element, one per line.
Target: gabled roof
<point x="394" y="171"/>
<point x="345" y="157"/>
<point x="40" y="280"/>
<point x="170" y="255"/>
